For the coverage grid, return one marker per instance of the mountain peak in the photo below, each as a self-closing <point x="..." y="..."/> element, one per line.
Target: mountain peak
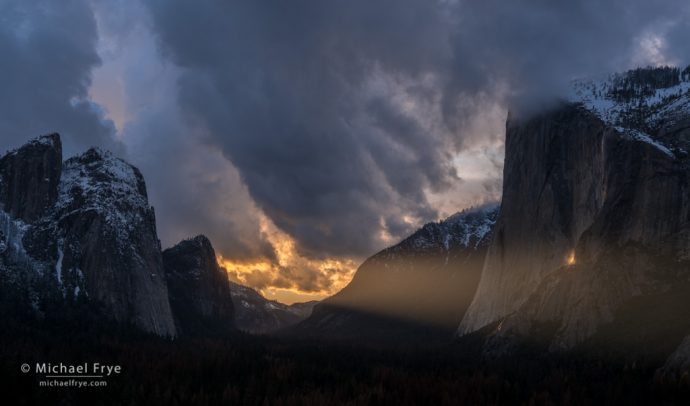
<point x="52" y="139"/>
<point x="199" y="289"/>
<point x="201" y="241"/>
<point x="422" y="284"/>
<point x="468" y="228"/>
<point x="106" y="183"/>
<point x="87" y="230"/>
<point x="29" y="177"/>
<point x="256" y="314"/>
<point x="96" y="154"/>
<point x="198" y="247"/>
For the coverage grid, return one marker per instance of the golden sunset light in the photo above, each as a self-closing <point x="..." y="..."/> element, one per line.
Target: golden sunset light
<point x="345" y="203"/>
<point x="291" y="278"/>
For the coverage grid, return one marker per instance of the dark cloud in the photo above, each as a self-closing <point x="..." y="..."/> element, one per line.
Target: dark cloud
<point x="195" y="189"/>
<point x="48" y="50"/>
<point x="342" y="116"/>
<point x="675" y="34"/>
<point x="289" y="91"/>
<point x="346" y="123"/>
<point x="534" y="48"/>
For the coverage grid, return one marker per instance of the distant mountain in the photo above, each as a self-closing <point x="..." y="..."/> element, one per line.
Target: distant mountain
<point x="258" y="315"/>
<point x="595" y="220"/>
<point x="200" y="295"/>
<point x="80" y="230"/>
<point x="206" y="303"/>
<point x="422" y="285"/>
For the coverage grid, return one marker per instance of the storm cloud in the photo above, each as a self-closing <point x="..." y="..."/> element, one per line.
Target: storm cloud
<point x="302" y="136"/>
<point x="341" y="117"/>
<point x="318" y="106"/>
<point x="533" y="48"/>
<point x="48" y="50"/>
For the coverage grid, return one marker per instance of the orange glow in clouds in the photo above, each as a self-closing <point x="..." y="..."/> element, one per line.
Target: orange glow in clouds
<point x="292" y="277"/>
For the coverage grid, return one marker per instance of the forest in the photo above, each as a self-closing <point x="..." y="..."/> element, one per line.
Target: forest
<point x="255" y="370"/>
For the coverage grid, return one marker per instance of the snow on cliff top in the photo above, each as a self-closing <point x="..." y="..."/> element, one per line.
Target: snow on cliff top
<point x="99" y="181"/>
<point x="50" y="140"/>
<point x="641" y="103"/>
<point x="466" y="229"/>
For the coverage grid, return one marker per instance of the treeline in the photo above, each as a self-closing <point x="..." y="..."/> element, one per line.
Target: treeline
<point x="643" y="82"/>
<point x="245" y="370"/>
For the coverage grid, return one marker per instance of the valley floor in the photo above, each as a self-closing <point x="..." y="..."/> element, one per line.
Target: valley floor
<point x="247" y="370"/>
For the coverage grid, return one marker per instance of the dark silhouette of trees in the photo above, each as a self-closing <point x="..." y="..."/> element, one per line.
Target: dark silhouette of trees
<point x="247" y="370"/>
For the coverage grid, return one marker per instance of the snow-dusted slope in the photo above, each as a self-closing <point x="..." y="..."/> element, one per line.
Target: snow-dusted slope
<point x="107" y="233"/>
<point x="466" y="229"/>
<point x="647" y="104"/>
<point x="424" y="283"/>
<point x="100" y="182"/>
<point x="29" y="178"/>
<point x="83" y="230"/>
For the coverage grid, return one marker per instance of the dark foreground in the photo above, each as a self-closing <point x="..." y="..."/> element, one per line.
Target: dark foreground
<point x="268" y="371"/>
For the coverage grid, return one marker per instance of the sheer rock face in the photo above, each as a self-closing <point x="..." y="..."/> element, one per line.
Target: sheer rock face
<point x="29" y="178"/>
<point x="91" y="235"/>
<point x="108" y="234"/>
<point x="426" y="281"/>
<point x="258" y="315"/>
<point x="552" y="191"/>
<point x="595" y="211"/>
<point x="199" y="289"/>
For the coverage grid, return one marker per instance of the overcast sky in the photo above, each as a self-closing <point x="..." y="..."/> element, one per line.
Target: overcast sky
<point x="303" y="136"/>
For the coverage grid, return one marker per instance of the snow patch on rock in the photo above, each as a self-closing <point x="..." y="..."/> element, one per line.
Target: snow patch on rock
<point x="637" y="135"/>
<point x="639" y="103"/>
<point x="466" y="229"/>
<point x="98" y="181"/>
<point x="58" y="265"/>
<point x="11" y="233"/>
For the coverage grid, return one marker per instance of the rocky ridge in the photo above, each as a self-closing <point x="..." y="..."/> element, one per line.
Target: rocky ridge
<point x="595" y="210"/>
<point x="258" y="315"/>
<point x="200" y="295"/>
<point x="423" y="283"/>
<point x="92" y="234"/>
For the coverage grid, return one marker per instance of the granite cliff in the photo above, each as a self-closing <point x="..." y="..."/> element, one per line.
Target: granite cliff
<point x="199" y="289"/>
<point x="595" y="210"/>
<point x="81" y="229"/>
